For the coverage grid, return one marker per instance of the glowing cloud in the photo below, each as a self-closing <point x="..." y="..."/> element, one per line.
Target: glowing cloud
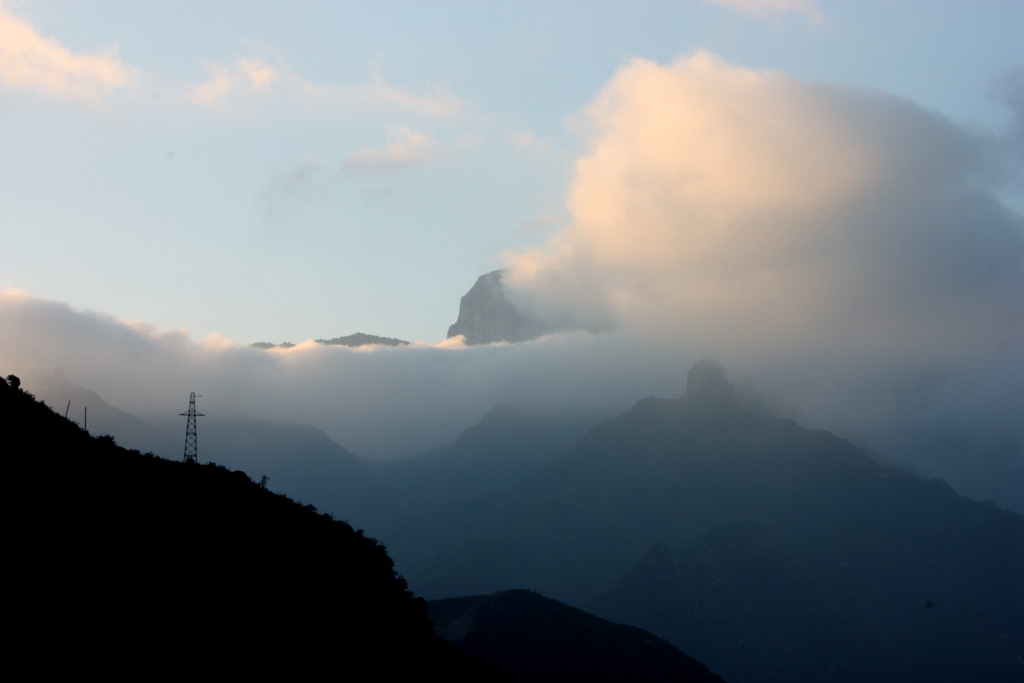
<point x="405" y="148"/>
<point x="31" y="62"/>
<point x="259" y="74"/>
<point x="744" y="209"/>
<point x="249" y="75"/>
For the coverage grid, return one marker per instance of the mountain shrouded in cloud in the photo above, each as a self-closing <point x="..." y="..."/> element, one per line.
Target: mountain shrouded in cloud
<point x="843" y="250"/>
<point x="846" y="242"/>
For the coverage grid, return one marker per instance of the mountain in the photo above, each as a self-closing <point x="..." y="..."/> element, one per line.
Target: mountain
<point x="88" y="409"/>
<point x="528" y="637"/>
<point x="299" y="460"/>
<point x="757" y="609"/>
<point x="129" y="563"/>
<point x="486" y="315"/>
<point x="787" y="519"/>
<point x="509" y="443"/>
<point x="352" y="340"/>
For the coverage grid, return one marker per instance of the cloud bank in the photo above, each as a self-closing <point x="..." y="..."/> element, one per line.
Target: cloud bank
<point x="379" y="402"/>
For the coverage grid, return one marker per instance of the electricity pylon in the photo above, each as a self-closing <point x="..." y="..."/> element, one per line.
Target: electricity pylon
<point x="191" y="454"/>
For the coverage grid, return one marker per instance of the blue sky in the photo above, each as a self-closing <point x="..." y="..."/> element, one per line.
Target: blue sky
<point x="272" y="170"/>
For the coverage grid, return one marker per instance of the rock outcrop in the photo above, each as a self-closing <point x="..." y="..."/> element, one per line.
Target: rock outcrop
<point x="487" y="316"/>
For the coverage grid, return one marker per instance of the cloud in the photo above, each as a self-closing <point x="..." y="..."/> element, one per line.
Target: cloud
<point x="1009" y="89"/>
<point x="405" y="148"/>
<point x="220" y="84"/>
<point x="385" y="402"/>
<point x="721" y="205"/>
<point x="258" y="73"/>
<point x="31" y="62"/>
<point x="843" y="243"/>
<point x="380" y="402"/>
<point x="377" y="94"/>
<point x="245" y="75"/>
<point x="763" y="8"/>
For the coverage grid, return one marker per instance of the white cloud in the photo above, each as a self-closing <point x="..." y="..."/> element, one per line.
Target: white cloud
<point x="405" y="148"/>
<point x="724" y="205"/>
<point x="244" y="76"/>
<point x="31" y="62"/>
<point x="843" y="242"/>
<point x="247" y="77"/>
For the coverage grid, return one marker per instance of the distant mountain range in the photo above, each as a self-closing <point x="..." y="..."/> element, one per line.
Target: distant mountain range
<point x="767" y="551"/>
<point x="181" y="566"/>
<point x="532" y="638"/>
<point x="353" y="340"/>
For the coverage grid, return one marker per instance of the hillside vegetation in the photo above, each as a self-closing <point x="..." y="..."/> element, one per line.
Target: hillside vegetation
<point x="126" y="562"/>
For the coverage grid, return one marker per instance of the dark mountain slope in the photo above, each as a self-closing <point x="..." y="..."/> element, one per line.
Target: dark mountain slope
<point x="753" y="608"/>
<point x="863" y="546"/>
<point x="507" y="445"/>
<point x="88" y="409"/>
<point x="532" y="638"/>
<point x="300" y="461"/>
<point x="129" y="563"/>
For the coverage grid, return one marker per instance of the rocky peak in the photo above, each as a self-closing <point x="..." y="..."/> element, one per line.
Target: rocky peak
<point x="706" y="379"/>
<point x="486" y="315"/>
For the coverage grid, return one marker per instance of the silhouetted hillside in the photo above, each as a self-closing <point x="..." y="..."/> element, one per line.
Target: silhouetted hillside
<point x="532" y="638"/>
<point x="129" y="563"/>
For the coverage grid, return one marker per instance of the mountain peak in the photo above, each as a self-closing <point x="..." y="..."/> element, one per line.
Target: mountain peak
<point x="706" y="379"/>
<point x="486" y="315"/>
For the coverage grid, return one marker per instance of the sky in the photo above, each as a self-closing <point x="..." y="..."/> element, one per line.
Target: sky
<point x="827" y="196"/>
<point x="273" y="170"/>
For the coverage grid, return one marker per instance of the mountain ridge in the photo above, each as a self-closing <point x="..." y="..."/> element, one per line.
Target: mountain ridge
<point x="878" y="542"/>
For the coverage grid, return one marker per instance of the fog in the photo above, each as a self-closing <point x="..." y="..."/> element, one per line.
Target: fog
<point x="845" y="251"/>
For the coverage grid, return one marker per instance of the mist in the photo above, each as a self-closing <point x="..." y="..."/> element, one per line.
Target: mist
<point x="845" y="251"/>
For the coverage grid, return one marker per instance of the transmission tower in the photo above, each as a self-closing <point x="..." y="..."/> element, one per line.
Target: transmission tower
<point x="190" y="430"/>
